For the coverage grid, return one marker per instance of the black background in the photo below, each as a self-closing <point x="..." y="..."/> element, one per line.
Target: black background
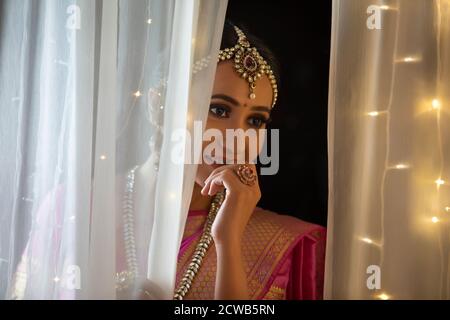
<point x="298" y="32"/>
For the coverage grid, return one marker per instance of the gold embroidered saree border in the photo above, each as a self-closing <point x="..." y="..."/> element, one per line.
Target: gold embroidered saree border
<point x="272" y="248"/>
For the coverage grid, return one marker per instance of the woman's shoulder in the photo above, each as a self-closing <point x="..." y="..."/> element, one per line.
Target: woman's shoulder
<point x="272" y="244"/>
<point x="271" y="220"/>
<point x="280" y="233"/>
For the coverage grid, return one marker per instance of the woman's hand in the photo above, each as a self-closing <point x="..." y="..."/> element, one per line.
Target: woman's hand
<point x="228" y="228"/>
<point x="239" y="204"/>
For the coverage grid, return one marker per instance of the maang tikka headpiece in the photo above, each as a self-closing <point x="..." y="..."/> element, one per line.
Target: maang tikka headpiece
<point x="249" y="64"/>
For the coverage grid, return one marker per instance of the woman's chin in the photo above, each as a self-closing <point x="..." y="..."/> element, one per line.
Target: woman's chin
<point x="203" y="173"/>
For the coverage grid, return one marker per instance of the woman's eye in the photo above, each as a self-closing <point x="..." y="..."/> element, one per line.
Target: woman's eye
<point x="257" y="122"/>
<point x="219" y="111"/>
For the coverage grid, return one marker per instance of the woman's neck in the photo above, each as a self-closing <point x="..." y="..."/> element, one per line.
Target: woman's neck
<point x="199" y="201"/>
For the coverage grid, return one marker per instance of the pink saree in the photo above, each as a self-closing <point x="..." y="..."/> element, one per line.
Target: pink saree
<point x="283" y="257"/>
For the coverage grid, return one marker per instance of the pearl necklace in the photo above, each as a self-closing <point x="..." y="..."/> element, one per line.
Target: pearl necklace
<point x="125" y="278"/>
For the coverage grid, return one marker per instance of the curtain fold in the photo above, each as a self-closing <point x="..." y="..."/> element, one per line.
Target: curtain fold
<point x="90" y="92"/>
<point x="389" y="150"/>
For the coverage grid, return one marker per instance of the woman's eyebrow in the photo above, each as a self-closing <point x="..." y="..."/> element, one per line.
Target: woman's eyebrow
<point x="261" y="108"/>
<point x="226" y="98"/>
<point x="237" y="104"/>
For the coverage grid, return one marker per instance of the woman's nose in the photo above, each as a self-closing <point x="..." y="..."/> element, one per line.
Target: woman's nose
<point x="236" y="142"/>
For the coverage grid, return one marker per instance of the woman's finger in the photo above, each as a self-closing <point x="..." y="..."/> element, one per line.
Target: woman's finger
<point x="217" y="180"/>
<point x="217" y="170"/>
<point x="216" y="185"/>
<point x="207" y="182"/>
<point x="223" y="179"/>
<point x="212" y="179"/>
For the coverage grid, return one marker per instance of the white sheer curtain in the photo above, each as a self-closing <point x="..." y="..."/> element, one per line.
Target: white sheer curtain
<point x="89" y="91"/>
<point x="389" y="150"/>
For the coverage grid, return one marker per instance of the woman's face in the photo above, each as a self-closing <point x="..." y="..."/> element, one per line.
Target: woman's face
<point x="231" y="108"/>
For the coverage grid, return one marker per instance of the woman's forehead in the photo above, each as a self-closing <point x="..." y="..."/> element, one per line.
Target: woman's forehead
<point x="228" y="82"/>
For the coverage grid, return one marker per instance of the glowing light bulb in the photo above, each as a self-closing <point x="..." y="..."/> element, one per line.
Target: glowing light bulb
<point x="436" y="104"/>
<point x="447" y="209"/>
<point x="149" y="21"/>
<point x="401" y="166"/>
<point x="383" y="296"/>
<point x="435" y="220"/>
<point x="56" y="279"/>
<point x="102" y="157"/>
<point x="373" y="113"/>
<point x="370" y="241"/>
<point x="137" y="94"/>
<point x="384" y="7"/>
<point x="409" y="59"/>
<point x="439" y="182"/>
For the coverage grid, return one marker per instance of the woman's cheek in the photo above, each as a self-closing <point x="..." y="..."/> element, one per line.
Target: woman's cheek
<point x="261" y="141"/>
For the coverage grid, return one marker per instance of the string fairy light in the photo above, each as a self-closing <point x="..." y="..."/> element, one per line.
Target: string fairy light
<point x="399" y="166"/>
<point x="367" y="240"/>
<point x="138" y="93"/>
<point x="383" y="296"/>
<point x="387" y="137"/>
<point x="402" y="166"/>
<point x="376" y="113"/>
<point x="386" y="8"/>
<point x="409" y="59"/>
<point x="439" y="182"/>
<point x="436" y="104"/>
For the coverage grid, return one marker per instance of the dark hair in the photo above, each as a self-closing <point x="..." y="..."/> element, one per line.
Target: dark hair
<point x="229" y="39"/>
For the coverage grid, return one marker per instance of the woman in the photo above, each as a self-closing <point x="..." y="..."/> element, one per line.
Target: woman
<point x="255" y="253"/>
<point x="231" y="249"/>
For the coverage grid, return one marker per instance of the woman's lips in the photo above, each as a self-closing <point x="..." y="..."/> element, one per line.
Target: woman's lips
<point x="216" y="165"/>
